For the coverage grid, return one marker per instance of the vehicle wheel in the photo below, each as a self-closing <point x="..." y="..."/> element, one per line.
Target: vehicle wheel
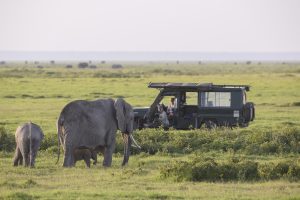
<point x="209" y="124"/>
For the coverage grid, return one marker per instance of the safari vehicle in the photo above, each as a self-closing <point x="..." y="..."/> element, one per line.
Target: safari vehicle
<point x="196" y="105"/>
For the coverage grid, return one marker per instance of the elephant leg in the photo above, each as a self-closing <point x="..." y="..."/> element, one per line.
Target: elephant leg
<point x="94" y="157"/>
<point x="69" y="156"/>
<point x="25" y="155"/>
<point x="17" y="157"/>
<point x="109" y="150"/>
<point x="87" y="162"/>
<point x="33" y="153"/>
<point x="26" y="159"/>
<point x="21" y="160"/>
<point x="69" y="159"/>
<point x="87" y="154"/>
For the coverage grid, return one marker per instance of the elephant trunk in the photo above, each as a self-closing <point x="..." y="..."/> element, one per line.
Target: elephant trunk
<point x="127" y="144"/>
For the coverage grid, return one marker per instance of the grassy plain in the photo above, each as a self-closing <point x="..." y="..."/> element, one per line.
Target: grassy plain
<point x="28" y="93"/>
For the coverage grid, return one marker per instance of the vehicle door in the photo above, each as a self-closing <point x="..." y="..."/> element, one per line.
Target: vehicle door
<point x="186" y="116"/>
<point x="216" y="107"/>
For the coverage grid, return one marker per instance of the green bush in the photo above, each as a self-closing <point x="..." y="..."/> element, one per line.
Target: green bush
<point x="259" y="142"/>
<point x="49" y="140"/>
<point x="181" y="170"/>
<point x="248" y="170"/>
<point x="53" y="150"/>
<point x="207" y="169"/>
<point x="204" y="169"/>
<point x="7" y="140"/>
<point x="249" y="141"/>
<point x="267" y="172"/>
<point x="228" y="171"/>
<point x="294" y="172"/>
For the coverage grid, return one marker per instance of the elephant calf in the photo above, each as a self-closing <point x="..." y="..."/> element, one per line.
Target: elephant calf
<point x="28" y="139"/>
<point x="87" y="154"/>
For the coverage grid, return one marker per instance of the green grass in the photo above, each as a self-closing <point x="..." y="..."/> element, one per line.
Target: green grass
<point x="27" y="93"/>
<point x="140" y="180"/>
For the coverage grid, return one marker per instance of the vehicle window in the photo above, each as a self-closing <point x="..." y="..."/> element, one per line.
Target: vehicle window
<point x="215" y="99"/>
<point x="169" y="101"/>
<point x="191" y="98"/>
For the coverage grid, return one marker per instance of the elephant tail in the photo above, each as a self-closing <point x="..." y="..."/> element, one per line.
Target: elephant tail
<point x="30" y="143"/>
<point x="60" y="122"/>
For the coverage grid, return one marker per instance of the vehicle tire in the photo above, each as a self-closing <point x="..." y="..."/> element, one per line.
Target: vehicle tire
<point x="249" y="112"/>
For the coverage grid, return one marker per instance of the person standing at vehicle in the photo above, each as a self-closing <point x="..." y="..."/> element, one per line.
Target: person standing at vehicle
<point x="171" y="107"/>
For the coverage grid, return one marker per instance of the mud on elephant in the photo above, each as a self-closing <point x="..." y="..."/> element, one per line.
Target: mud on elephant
<point x="90" y="124"/>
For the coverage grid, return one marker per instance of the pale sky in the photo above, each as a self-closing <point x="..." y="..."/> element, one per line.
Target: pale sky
<point x="150" y="25"/>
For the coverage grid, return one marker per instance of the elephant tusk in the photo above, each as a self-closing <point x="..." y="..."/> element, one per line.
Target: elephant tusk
<point x="135" y="143"/>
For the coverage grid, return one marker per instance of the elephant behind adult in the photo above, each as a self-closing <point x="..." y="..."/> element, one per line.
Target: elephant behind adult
<point x="87" y="154"/>
<point x="91" y="124"/>
<point x="28" y="139"/>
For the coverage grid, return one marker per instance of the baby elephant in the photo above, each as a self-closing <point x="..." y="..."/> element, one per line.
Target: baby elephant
<point x="28" y="139"/>
<point x="87" y="154"/>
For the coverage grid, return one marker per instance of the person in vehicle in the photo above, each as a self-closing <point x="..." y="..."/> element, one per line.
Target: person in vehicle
<point x="172" y="106"/>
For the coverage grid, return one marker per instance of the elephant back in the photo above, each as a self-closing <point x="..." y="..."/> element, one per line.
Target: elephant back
<point x="23" y="131"/>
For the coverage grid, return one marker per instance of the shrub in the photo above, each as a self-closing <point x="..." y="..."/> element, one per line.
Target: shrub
<point x="83" y="65"/>
<point x="50" y="140"/>
<point x="181" y="170"/>
<point x="117" y="66"/>
<point x="267" y="171"/>
<point x="52" y="150"/>
<point x="7" y="140"/>
<point x="248" y="170"/>
<point x="228" y="171"/>
<point x="207" y="169"/>
<point x="296" y="103"/>
<point x="294" y="172"/>
<point x="282" y="168"/>
<point x="19" y="196"/>
<point x="285" y="140"/>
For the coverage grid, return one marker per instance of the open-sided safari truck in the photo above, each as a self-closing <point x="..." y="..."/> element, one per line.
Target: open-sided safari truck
<point x="196" y="105"/>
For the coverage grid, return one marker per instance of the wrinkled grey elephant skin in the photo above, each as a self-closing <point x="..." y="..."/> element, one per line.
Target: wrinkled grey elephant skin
<point x="28" y="139"/>
<point x="90" y="124"/>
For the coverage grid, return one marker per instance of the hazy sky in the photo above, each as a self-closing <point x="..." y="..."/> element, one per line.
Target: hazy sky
<point x="150" y="25"/>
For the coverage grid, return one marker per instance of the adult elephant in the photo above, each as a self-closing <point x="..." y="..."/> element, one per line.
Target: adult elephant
<point x="93" y="124"/>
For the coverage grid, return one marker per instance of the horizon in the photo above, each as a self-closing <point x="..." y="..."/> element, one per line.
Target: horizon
<point x="148" y="56"/>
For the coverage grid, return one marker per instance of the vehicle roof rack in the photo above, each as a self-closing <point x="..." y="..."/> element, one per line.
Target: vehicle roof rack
<point x="195" y="85"/>
<point x="246" y="87"/>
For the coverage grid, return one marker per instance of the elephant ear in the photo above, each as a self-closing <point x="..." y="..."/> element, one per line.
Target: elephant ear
<point x="120" y="114"/>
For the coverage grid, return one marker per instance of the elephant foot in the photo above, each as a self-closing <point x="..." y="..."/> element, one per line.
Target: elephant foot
<point x="68" y="166"/>
<point x="106" y="165"/>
